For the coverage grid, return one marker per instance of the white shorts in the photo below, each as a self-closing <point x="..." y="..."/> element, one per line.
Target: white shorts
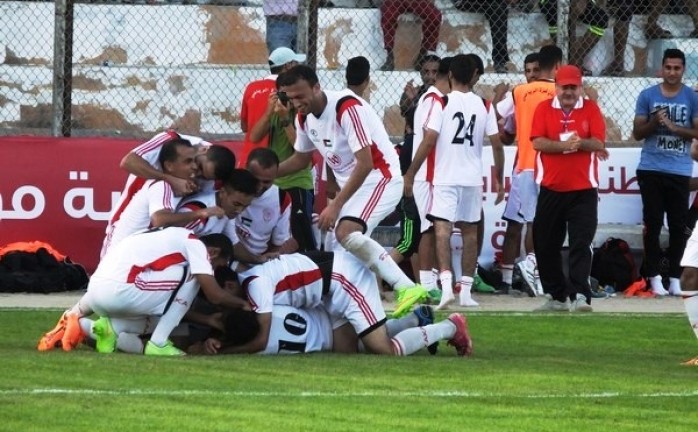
<point x="457" y="203"/>
<point x="354" y="295"/>
<point x="125" y="300"/>
<point x="523" y="197"/>
<point x="690" y="254"/>
<point x="423" y="194"/>
<point x="374" y="200"/>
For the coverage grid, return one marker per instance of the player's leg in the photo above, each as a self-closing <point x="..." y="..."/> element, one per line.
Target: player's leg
<point x="159" y="343"/>
<point x="454" y="329"/>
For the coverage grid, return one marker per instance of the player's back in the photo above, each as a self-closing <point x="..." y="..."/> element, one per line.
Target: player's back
<point x="295" y="330"/>
<point x="526" y="99"/>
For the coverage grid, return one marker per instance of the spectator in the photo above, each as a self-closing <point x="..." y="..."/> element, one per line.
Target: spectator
<point x="411" y="94"/>
<point x="255" y="99"/>
<point x="586" y="12"/>
<point x="567" y="132"/>
<point x="666" y="118"/>
<point x="521" y="203"/>
<point x="431" y="25"/>
<point x="622" y="11"/>
<point x="355" y="145"/>
<point x="282" y="23"/>
<point x="502" y="95"/>
<point x="496" y="12"/>
<point x="357" y="75"/>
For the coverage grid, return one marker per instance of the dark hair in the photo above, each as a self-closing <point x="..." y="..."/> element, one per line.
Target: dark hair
<point x="168" y="152"/>
<point x="242" y="181"/>
<point x="358" y="69"/>
<point x="223" y="161"/>
<point x="531" y="58"/>
<point x="674" y="53"/>
<point x="429" y="58"/>
<point x="224" y="274"/>
<point x="444" y="66"/>
<point x="239" y="327"/>
<point x="275" y="70"/>
<point x="265" y="157"/>
<point x="462" y="68"/>
<point x="220" y="241"/>
<point x="478" y="62"/>
<point x="297" y="73"/>
<point x="549" y="56"/>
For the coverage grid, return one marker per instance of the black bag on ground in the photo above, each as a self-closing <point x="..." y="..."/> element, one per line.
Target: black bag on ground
<point x="39" y="272"/>
<point x="614" y="265"/>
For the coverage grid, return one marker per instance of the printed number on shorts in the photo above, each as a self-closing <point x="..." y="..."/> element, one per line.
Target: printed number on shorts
<point x="294" y="325"/>
<point x="464" y="132"/>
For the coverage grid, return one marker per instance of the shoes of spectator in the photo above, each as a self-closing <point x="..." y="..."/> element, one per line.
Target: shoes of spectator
<point x="434" y="296"/>
<point x="613" y="71"/>
<point x="656" y="32"/>
<point x="49" y="340"/>
<point x="406" y="298"/>
<point x="529" y="277"/>
<point x="553" y="306"/>
<point x="481" y="286"/>
<point x="694" y="34"/>
<point x="491" y="277"/>
<point x="586" y="72"/>
<point x="691" y="362"/>
<point x="167" y="350"/>
<point x="501" y="68"/>
<point x="389" y="64"/>
<point x="425" y="316"/>
<point x="73" y="334"/>
<point x="580" y="304"/>
<point x="461" y="340"/>
<point x="105" y="335"/>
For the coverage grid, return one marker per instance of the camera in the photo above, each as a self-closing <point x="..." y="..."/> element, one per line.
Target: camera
<point x="283" y="97"/>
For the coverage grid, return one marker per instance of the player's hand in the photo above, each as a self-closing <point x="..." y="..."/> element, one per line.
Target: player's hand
<point x="411" y="90"/>
<point x="211" y="346"/>
<point x="408" y="186"/>
<point x="209" y="212"/>
<point x="181" y="186"/>
<point x="328" y="217"/>
<point x="500" y="192"/>
<point x="602" y="154"/>
<point x="268" y="256"/>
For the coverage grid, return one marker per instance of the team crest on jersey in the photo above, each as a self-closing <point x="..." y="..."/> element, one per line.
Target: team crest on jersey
<point x="267" y="214"/>
<point x="333" y="159"/>
<point x="247" y="222"/>
<point x="313" y="132"/>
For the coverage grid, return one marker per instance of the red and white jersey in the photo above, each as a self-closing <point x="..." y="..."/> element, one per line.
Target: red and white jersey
<point x="294" y="330"/>
<point x="150" y="152"/>
<point x="290" y="280"/>
<point x="347" y="125"/>
<point x="265" y="220"/>
<point x="210" y="225"/>
<point x="427" y="115"/>
<point x="466" y="120"/>
<point x="155" y="260"/>
<point x="155" y="195"/>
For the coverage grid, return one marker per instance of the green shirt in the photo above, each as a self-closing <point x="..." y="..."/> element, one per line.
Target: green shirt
<point x="279" y="144"/>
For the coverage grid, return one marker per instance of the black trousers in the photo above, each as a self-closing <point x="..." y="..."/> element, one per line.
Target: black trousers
<point x="663" y="193"/>
<point x="497" y="13"/>
<point x="302" y="201"/>
<point x="557" y="214"/>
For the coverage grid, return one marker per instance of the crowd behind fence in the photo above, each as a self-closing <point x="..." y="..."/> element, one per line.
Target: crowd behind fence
<point x="136" y="67"/>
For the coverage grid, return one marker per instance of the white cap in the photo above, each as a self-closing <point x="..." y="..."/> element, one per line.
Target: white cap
<point x="283" y="55"/>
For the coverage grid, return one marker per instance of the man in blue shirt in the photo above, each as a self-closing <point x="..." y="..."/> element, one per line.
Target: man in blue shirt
<point x="666" y="118"/>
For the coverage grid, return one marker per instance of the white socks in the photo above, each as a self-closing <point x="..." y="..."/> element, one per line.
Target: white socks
<point x="413" y="339"/>
<point x="507" y="273"/>
<point x="657" y="287"/>
<point x="447" y="297"/>
<point x="395" y="326"/>
<point x="466" y="298"/>
<point x="427" y="279"/>
<point x="377" y="259"/>
<point x="675" y="286"/>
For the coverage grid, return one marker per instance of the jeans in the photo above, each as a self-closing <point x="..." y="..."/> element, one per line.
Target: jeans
<point x="281" y="33"/>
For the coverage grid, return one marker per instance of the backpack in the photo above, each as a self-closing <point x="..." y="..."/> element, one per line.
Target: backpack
<point x="39" y="272"/>
<point x="614" y="265"/>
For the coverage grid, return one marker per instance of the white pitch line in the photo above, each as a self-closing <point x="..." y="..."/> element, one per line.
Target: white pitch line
<point x="321" y="394"/>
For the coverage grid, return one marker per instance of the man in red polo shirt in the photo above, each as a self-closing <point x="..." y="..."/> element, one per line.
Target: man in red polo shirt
<point x="569" y="134"/>
<point x="256" y="98"/>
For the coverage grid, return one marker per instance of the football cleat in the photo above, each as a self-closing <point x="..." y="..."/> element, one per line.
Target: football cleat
<point x="105" y="335"/>
<point x="167" y="350"/>
<point x="73" y="335"/>
<point x="461" y="339"/>
<point x="408" y="297"/>
<point x="49" y="340"/>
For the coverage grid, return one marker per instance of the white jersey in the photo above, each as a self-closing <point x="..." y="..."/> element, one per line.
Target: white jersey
<point x="155" y="260"/>
<point x="295" y="330"/>
<point x="210" y="225"/>
<point x="466" y="120"/>
<point x="150" y="152"/>
<point x="427" y="115"/>
<point x="155" y="195"/>
<point x="265" y="220"/>
<point x="347" y="125"/>
<point x="290" y="280"/>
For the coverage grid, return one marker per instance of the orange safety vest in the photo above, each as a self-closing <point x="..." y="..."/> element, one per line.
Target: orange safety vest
<point x="31" y="247"/>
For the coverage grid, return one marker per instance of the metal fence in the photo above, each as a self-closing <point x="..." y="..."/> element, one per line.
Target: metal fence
<point x="136" y="67"/>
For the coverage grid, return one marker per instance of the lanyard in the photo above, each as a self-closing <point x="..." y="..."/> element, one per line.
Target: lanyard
<point x="566" y="120"/>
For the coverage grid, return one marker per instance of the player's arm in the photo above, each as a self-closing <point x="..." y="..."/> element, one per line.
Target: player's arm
<point x="242" y="254"/>
<point x="498" y="157"/>
<point x="295" y="163"/>
<point x="259" y="343"/>
<point x="425" y="147"/>
<point x="134" y="164"/>
<point x="167" y="217"/>
<point x="217" y="295"/>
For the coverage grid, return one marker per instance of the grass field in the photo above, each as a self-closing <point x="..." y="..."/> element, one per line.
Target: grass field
<point x="597" y="372"/>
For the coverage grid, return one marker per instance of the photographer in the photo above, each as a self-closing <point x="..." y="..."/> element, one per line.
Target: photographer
<point x="277" y="125"/>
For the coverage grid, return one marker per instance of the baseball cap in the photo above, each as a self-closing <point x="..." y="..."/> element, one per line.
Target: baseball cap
<point x="568" y="75"/>
<point x="283" y="55"/>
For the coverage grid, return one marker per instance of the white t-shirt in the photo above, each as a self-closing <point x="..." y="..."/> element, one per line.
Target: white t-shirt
<point x="154" y="260"/>
<point x="266" y="219"/>
<point x="295" y="330"/>
<point x="347" y="125"/>
<point x="466" y="121"/>
<point x="290" y="280"/>
<point x="427" y="115"/>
